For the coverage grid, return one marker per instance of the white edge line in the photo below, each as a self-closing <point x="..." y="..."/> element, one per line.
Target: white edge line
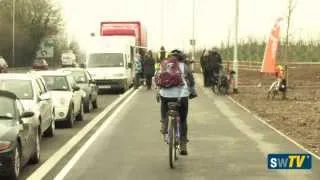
<point x="273" y="128"/>
<point x="43" y="170"/>
<point x="65" y="170"/>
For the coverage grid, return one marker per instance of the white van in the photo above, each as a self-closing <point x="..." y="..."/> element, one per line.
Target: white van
<point x="68" y="59"/>
<point x="109" y="61"/>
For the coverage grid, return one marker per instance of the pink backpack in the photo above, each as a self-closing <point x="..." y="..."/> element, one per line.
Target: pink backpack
<point x="170" y="74"/>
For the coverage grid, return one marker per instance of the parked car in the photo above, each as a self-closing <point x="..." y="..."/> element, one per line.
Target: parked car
<point x="88" y="85"/>
<point x="68" y="97"/>
<point x="19" y="136"/>
<point x="40" y="64"/>
<point x="32" y="91"/>
<point x="3" y="65"/>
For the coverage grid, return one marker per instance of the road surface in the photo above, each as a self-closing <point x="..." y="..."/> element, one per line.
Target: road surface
<point x="50" y="145"/>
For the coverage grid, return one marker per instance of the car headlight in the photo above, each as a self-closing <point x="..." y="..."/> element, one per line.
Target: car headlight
<point x="4" y="145"/>
<point x="84" y="94"/>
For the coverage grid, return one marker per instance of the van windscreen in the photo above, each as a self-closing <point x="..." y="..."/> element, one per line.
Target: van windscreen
<point x="105" y="60"/>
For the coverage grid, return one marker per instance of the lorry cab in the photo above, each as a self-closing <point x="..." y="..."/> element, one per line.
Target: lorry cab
<point x="111" y="66"/>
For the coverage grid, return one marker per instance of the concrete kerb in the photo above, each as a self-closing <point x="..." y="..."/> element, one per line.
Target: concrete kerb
<point x="264" y="121"/>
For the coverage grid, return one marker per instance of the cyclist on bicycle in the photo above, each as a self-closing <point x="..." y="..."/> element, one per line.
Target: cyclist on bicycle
<point x="182" y="93"/>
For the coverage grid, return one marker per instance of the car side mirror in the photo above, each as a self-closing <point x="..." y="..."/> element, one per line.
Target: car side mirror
<point x="130" y="65"/>
<point x="81" y="80"/>
<point x="44" y="97"/>
<point x="27" y="114"/>
<point x="76" y="88"/>
<point x="91" y="81"/>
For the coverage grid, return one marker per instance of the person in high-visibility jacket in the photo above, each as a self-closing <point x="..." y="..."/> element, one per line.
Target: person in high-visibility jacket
<point x="280" y="72"/>
<point x="157" y="66"/>
<point x="281" y="79"/>
<point x="162" y="54"/>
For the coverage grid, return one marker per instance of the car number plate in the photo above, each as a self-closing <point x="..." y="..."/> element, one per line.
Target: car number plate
<point x="105" y="87"/>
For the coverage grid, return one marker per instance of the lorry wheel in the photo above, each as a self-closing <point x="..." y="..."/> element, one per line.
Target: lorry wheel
<point x="125" y="87"/>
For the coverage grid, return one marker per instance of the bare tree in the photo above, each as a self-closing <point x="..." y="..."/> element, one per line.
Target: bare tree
<point x="291" y="6"/>
<point x="34" y="20"/>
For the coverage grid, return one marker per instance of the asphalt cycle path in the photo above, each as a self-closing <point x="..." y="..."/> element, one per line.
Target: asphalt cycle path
<point x="226" y="142"/>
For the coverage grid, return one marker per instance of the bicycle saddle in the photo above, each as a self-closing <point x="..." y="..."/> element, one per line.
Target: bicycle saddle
<point x="173" y="106"/>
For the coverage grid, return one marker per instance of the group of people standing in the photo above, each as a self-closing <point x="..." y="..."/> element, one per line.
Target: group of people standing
<point x="146" y="66"/>
<point x="211" y="64"/>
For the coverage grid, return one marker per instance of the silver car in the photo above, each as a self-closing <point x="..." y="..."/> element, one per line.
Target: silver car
<point x="87" y="84"/>
<point x="67" y="96"/>
<point x="32" y="91"/>
<point x="3" y="65"/>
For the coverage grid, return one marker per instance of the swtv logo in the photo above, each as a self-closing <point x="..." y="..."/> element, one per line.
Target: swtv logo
<point x="289" y="161"/>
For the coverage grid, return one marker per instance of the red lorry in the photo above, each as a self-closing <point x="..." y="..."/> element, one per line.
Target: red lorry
<point x="125" y="28"/>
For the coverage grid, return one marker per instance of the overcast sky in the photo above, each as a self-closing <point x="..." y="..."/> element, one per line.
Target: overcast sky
<point x="213" y="19"/>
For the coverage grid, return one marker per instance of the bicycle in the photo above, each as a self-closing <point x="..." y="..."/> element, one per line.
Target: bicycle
<point x="173" y="132"/>
<point x="215" y="83"/>
<point x="223" y="84"/>
<point x="277" y="87"/>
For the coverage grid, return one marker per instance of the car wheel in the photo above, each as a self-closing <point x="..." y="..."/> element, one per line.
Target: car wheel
<point x="80" y="116"/>
<point x="15" y="164"/>
<point x="87" y="105"/>
<point x="70" y="118"/>
<point x="95" y="103"/>
<point x="125" y="87"/>
<point x="35" y="158"/>
<point x="50" y="132"/>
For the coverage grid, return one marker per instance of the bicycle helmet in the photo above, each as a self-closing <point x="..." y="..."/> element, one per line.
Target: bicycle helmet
<point x="177" y="53"/>
<point x="279" y="67"/>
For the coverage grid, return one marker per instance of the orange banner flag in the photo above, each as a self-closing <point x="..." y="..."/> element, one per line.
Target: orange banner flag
<point x="270" y="53"/>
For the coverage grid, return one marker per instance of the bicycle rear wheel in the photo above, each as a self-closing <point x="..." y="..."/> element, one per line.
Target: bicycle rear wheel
<point x="172" y="144"/>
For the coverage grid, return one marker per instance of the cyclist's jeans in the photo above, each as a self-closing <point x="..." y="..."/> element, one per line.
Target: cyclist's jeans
<point x="183" y="111"/>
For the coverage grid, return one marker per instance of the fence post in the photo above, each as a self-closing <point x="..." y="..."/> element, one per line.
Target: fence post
<point x="260" y="79"/>
<point x="287" y="74"/>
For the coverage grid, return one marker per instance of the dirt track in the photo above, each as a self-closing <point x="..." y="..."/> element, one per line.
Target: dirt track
<point x="299" y="116"/>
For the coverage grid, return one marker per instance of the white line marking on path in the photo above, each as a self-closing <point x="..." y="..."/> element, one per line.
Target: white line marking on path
<point x="46" y="167"/>
<point x="102" y="128"/>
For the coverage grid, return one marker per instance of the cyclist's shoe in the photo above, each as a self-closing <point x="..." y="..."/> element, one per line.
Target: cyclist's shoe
<point x="183" y="149"/>
<point x="163" y="129"/>
<point x="165" y="138"/>
<point x="186" y="140"/>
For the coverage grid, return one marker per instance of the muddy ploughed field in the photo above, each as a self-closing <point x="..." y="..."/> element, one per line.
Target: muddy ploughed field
<point x="299" y="116"/>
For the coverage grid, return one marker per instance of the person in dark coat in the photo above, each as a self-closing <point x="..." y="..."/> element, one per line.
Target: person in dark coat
<point x="204" y="67"/>
<point x="214" y="65"/>
<point x="149" y="69"/>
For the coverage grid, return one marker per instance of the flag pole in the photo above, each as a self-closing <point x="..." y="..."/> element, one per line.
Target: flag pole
<point x="235" y="53"/>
